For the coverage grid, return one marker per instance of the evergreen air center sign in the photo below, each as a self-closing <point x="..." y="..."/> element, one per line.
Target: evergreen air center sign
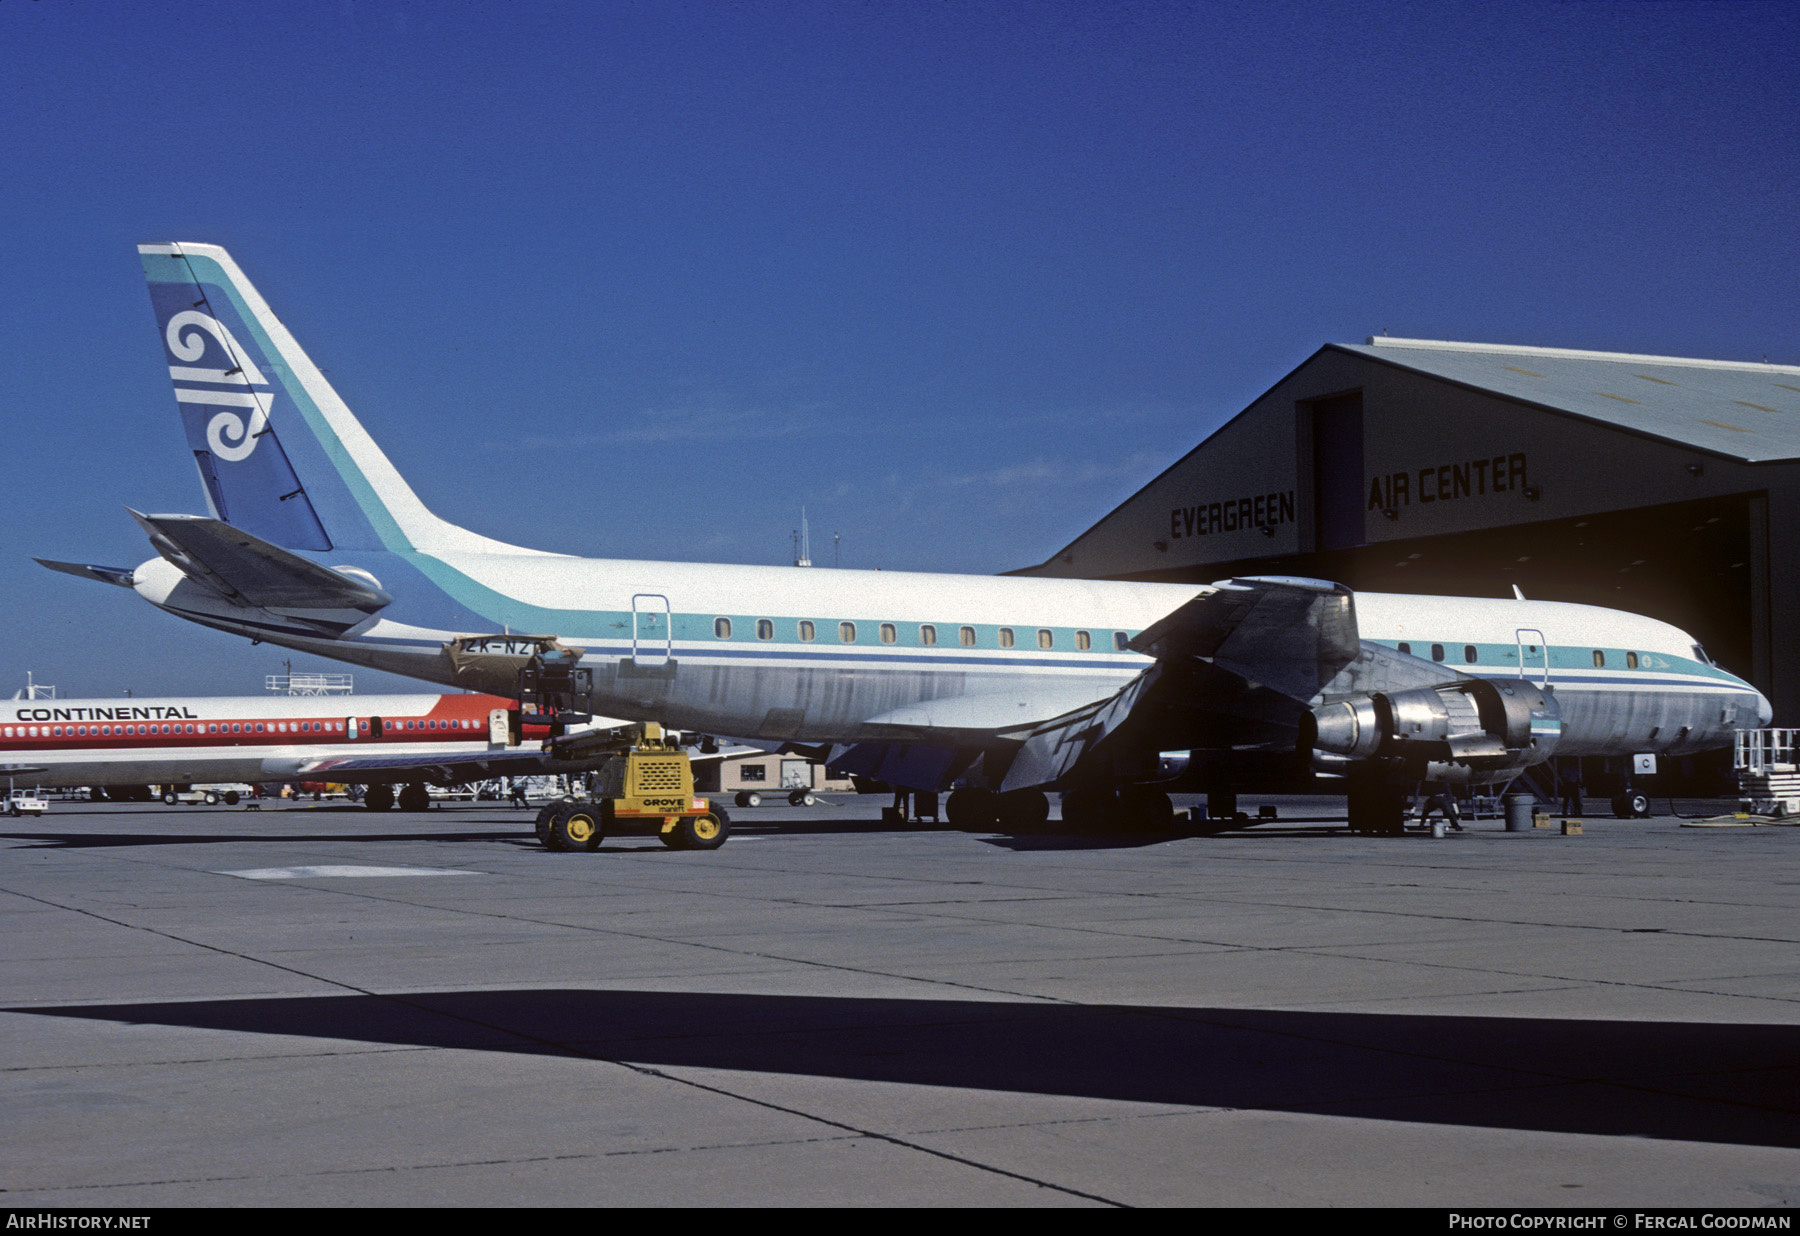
<point x="1388" y="491"/>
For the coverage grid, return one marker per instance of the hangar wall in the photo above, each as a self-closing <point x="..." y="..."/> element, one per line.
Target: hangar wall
<point x="1365" y="471"/>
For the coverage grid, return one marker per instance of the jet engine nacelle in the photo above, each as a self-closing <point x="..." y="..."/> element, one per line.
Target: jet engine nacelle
<point x="1475" y="729"/>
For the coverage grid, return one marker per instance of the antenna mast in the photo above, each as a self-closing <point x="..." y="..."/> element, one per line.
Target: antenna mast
<point x="802" y="543"/>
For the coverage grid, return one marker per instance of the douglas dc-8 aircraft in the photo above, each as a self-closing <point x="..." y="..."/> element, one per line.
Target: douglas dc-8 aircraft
<point x="376" y="740"/>
<point x="1002" y="687"/>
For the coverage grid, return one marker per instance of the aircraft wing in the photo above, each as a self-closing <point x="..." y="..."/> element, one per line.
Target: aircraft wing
<point x="573" y="753"/>
<point x="434" y="767"/>
<point x="1234" y="667"/>
<point x="1287" y="635"/>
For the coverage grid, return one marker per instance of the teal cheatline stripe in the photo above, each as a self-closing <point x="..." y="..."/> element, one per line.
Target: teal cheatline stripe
<point x="690" y="628"/>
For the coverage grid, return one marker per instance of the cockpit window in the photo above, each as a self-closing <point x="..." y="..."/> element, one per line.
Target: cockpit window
<point x="1700" y="655"/>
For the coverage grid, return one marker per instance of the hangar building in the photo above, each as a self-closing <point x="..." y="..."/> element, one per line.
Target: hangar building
<point x="1657" y="484"/>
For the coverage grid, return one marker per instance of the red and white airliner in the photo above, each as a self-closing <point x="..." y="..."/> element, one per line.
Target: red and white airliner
<point x="374" y="740"/>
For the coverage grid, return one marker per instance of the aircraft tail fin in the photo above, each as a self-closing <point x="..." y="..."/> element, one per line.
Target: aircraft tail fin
<point x="279" y="453"/>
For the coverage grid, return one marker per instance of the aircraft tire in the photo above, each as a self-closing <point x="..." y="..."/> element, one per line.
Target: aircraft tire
<point x="1022" y="810"/>
<point x="1088" y="808"/>
<point x="415" y="797"/>
<point x="706" y="831"/>
<point x="1146" y="809"/>
<point x="971" y="809"/>
<point x="378" y="798"/>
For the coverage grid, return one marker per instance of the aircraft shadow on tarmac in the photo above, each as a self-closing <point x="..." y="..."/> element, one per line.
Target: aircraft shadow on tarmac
<point x="1322" y="828"/>
<point x="1676" y="1080"/>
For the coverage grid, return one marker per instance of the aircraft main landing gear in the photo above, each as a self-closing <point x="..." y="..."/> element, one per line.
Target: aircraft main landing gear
<point x="1377" y="803"/>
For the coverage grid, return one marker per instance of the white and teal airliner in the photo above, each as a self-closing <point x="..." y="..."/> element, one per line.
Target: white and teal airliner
<point x="1007" y="686"/>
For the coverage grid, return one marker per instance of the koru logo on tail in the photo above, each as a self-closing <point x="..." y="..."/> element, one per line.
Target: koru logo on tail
<point x="230" y="435"/>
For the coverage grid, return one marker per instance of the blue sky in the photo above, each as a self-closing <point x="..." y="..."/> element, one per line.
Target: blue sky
<point x="641" y="280"/>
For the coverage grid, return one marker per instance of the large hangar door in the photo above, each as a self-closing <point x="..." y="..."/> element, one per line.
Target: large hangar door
<point x="1693" y="564"/>
<point x="1337" y="467"/>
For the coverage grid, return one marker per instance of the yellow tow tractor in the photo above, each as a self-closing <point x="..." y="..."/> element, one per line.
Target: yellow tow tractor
<point x="647" y="790"/>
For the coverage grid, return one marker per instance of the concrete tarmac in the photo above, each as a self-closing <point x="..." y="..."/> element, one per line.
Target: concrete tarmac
<point x="315" y="1005"/>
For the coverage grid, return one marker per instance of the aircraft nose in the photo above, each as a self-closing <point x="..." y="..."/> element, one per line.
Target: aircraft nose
<point x="1765" y="712"/>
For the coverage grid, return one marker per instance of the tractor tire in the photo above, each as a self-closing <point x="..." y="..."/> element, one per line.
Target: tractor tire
<point x="702" y="832"/>
<point x="541" y="826"/>
<point x="578" y="828"/>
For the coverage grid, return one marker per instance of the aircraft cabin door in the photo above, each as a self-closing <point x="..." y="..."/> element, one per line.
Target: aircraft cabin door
<point x="650" y="632"/>
<point x="351" y="729"/>
<point x="1534" y="656"/>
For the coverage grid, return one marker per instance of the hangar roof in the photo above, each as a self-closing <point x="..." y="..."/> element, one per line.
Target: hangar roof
<point x="1741" y="410"/>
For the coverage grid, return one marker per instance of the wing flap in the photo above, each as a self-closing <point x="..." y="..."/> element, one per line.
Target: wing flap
<point x="1051" y="751"/>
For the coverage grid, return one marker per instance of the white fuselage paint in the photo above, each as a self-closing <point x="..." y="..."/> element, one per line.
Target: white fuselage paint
<point x="825" y="690"/>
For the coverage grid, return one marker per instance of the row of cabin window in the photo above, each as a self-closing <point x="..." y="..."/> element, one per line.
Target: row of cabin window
<point x="1437" y="654"/>
<point x="223" y="727"/>
<point x="928" y="634"/>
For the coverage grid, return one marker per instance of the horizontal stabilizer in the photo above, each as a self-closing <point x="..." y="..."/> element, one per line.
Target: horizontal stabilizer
<point x="1291" y="636"/>
<point x="250" y="571"/>
<point x="123" y="577"/>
